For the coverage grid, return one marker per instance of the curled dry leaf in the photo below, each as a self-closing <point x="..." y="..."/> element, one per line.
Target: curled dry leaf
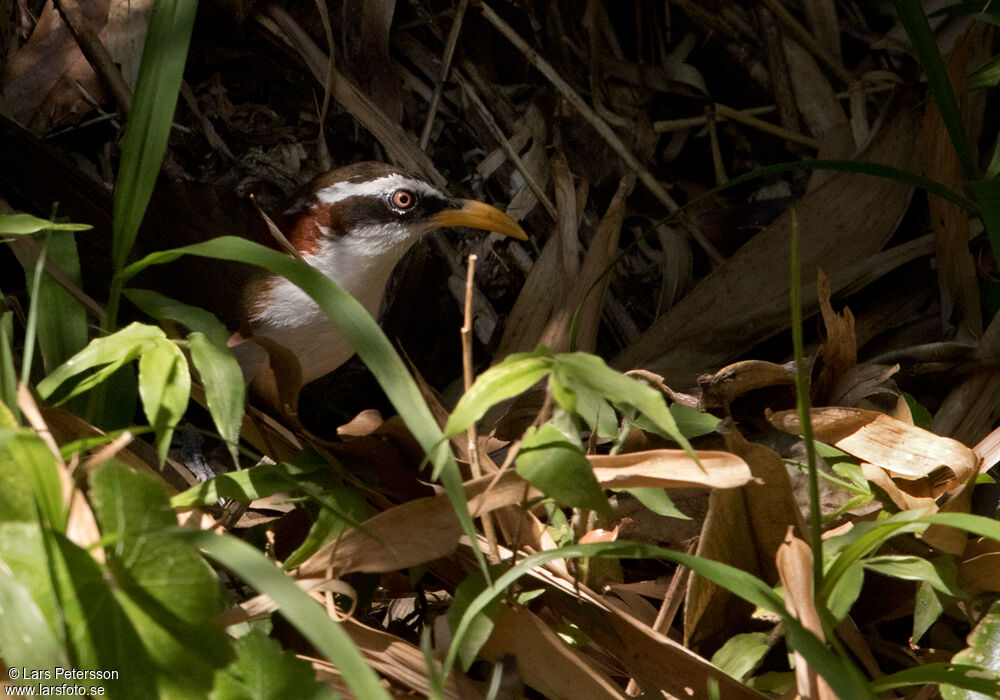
<point x="905" y="450"/>
<point x="795" y="562"/>
<point x="912" y="465"/>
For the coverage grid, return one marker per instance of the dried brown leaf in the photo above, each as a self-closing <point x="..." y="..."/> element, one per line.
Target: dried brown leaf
<point x="795" y="562"/>
<point x="745" y="300"/>
<point x="544" y="662"/>
<point x="670" y="469"/>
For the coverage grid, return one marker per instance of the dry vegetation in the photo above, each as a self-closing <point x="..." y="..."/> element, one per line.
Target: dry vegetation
<point x="603" y="127"/>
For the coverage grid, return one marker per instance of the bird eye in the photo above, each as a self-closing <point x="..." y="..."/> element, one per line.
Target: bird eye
<point x="403" y="199"/>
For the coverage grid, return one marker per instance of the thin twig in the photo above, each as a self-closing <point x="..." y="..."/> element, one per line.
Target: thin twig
<point x="95" y="52"/>
<point x="449" y="54"/>
<point x="473" y="446"/>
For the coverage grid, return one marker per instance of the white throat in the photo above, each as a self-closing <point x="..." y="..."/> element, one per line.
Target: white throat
<point x="361" y="263"/>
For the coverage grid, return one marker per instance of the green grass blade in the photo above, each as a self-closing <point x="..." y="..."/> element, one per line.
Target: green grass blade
<point x="911" y="14"/>
<point x="148" y="127"/>
<point x="295" y="605"/>
<point x="802" y="404"/>
<point x="368" y="340"/>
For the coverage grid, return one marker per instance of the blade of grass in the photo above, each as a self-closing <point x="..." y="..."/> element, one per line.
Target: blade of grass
<point x="371" y="344"/>
<point x="296" y="605"/>
<point x="803" y="405"/>
<point x="911" y="14"/>
<point x="145" y="141"/>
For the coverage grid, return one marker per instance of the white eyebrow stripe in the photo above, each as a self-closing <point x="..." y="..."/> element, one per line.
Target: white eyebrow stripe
<point x="344" y="190"/>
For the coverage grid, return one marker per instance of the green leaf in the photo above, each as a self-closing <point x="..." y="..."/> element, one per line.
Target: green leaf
<point x="741" y="653"/>
<point x="516" y="374"/>
<point x="973" y="678"/>
<point x="168" y="591"/>
<point x="225" y="392"/>
<point x="927" y="609"/>
<point x="164" y="387"/>
<point x="925" y="44"/>
<point x="34" y="479"/>
<point x="692" y="422"/>
<point x="580" y="369"/>
<point x="480" y="626"/>
<point x="164" y="308"/>
<point x="559" y="469"/>
<point x="95" y="625"/>
<point x="22" y="224"/>
<point x="329" y="523"/>
<point x="983" y="655"/>
<point x="108" y="353"/>
<point x="987" y="193"/>
<point x="658" y="501"/>
<point x="27" y="627"/>
<point x="295" y="605"/>
<point x="910" y="568"/>
<point x="160" y="71"/>
<point x="8" y="375"/>
<point x="368" y="340"/>
<point x="987" y="75"/>
<point x="245" y="485"/>
<point x="262" y="670"/>
<point x="62" y="321"/>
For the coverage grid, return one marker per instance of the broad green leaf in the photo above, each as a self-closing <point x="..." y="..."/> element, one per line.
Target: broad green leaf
<point x="658" y="501"/>
<point x="515" y="375"/>
<point x="597" y="412"/>
<point x="861" y="544"/>
<point x="559" y="469"/>
<point x="108" y="353"/>
<point x="927" y="609"/>
<point x="22" y="224"/>
<point x="8" y="375"/>
<point x="28" y="624"/>
<point x="62" y="321"/>
<point x="983" y="654"/>
<point x="245" y="485"/>
<point x="295" y="605"/>
<point x="329" y="523"/>
<point x="164" y="308"/>
<point x="34" y="474"/>
<point x="263" y="670"/>
<point x="96" y="625"/>
<point x="741" y="653"/>
<point x="368" y="340"/>
<point x="978" y="681"/>
<point x="481" y="625"/>
<point x="581" y="369"/>
<point x="164" y="387"/>
<point x="167" y="590"/>
<point x="911" y="568"/>
<point x="225" y="392"/>
<point x="691" y="422"/>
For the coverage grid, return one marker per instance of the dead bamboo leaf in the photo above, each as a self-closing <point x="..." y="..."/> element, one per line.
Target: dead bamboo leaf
<point x="795" y="567"/>
<point x="743" y="528"/>
<point x="745" y="300"/>
<point x="957" y="279"/>
<point x="905" y="450"/>
<point x="544" y="662"/>
<point x="670" y="469"/>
